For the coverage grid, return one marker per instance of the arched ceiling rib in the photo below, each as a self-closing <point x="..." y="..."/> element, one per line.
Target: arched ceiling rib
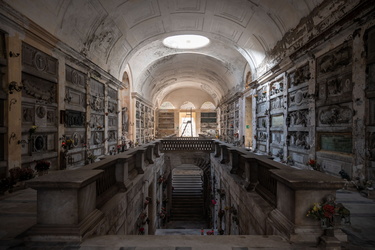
<point x="119" y="34"/>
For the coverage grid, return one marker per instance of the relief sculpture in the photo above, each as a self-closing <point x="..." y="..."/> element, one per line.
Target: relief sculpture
<point x="74" y="118"/>
<point x="297" y="118"/>
<point x="299" y="139"/>
<point x="334" y="59"/>
<point x="301" y="75"/>
<point x="335" y="115"/>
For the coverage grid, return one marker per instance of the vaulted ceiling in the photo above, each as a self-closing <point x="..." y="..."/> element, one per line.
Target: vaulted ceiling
<point x="121" y="35"/>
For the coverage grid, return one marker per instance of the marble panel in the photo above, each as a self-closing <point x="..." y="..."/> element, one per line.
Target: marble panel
<point x="335" y="142"/>
<point x="335" y="115"/>
<point x="298" y="98"/>
<point x="277" y="137"/>
<point x="75" y="77"/>
<point x="277" y="121"/>
<point x="299" y="76"/>
<point x="75" y="98"/>
<point x="335" y="59"/>
<point x="37" y="61"/>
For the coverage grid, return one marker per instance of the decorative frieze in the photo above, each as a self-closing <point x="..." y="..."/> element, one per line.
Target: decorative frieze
<point x="38" y="88"/>
<point x="277" y="87"/>
<point x="74" y="119"/>
<point x="335" y="115"/>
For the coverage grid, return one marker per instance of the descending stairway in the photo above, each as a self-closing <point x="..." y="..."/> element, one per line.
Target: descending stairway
<point x="187" y="196"/>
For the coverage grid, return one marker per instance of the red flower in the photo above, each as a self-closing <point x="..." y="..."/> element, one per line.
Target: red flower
<point x="329" y="210"/>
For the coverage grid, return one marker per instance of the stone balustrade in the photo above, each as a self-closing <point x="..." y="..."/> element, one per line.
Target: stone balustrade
<point x="271" y="197"/>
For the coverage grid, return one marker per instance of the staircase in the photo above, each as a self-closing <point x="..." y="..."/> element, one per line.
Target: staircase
<point x="187" y="196"/>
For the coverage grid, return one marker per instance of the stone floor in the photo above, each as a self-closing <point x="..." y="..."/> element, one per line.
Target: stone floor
<point x="18" y="213"/>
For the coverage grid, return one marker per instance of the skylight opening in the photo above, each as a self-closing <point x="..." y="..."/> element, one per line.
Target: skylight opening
<point x="186" y="42"/>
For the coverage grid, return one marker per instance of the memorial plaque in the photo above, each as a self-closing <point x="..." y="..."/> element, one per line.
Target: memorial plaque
<point x="336" y="142"/>
<point x="277" y="121"/>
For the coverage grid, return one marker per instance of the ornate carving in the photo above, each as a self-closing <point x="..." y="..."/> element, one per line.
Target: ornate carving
<point x="112" y="136"/>
<point x="97" y="138"/>
<point x="112" y="107"/>
<point x="97" y="121"/>
<point x="39" y="61"/>
<point x="335" y="59"/>
<point x="298" y="98"/>
<point x="277" y="102"/>
<point x="28" y="114"/>
<point x="75" y="77"/>
<point x="51" y="117"/>
<point x="338" y="86"/>
<point x="262" y="122"/>
<point x="262" y="136"/>
<point x="371" y="148"/>
<point x="301" y="75"/>
<point x="277" y="87"/>
<point x="39" y="143"/>
<point x="299" y="139"/>
<point x="39" y="88"/>
<point x="335" y="115"/>
<point x="74" y="118"/>
<point x="97" y="103"/>
<point x="112" y="94"/>
<point x="41" y="112"/>
<point x="297" y="118"/>
<point x="277" y="137"/>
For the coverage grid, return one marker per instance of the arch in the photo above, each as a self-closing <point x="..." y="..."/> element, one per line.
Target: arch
<point x="208" y="105"/>
<point x="187" y="105"/>
<point x="167" y="105"/>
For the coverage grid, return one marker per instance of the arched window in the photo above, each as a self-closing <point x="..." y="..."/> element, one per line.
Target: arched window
<point x="187" y="105"/>
<point x="166" y="105"/>
<point x="208" y="105"/>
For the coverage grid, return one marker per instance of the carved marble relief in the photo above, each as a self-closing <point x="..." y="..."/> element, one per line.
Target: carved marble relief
<point x="262" y="122"/>
<point x="112" y="136"/>
<point x="277" y="87"/>
<point x="277" y="103"/>
<point x="335" y="59"/>
<point x="97" y="137"/>
<point x="297" y="118"/>
<point x="262" y="136"/>
<point x="335" y="115"/>
<point x="51" y="117"/>
<point x="38" y="143"/>
<point x="277" y="137"/>
<point x="74" y="119"/>
<point x="28" y="114"/>
<point x="298" y="98"/>
<point x="299" y="76"/>
<point x="261" y="95"/>
<point x="97" y="121"/>
<point x="97" y="103"/>
<point x="75" y="77"/>
<point x="35" y="60"/>
<point x="261" y="108"/>
<point x="74" y="97"/>
<point x="38" y="88"/>
<point x="299" y="139"/>
<point x="112" y="121"/>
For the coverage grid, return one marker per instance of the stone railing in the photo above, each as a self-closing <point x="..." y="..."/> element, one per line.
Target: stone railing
<point x="289" y="192"/>
<point x="187" y="144"/>
<point x="69" y="201"/>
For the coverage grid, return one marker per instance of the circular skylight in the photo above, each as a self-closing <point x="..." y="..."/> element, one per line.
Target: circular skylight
<point x="186" y="41"/>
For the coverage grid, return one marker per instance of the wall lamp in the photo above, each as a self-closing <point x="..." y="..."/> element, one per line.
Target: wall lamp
<point x="13" y="86"/>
